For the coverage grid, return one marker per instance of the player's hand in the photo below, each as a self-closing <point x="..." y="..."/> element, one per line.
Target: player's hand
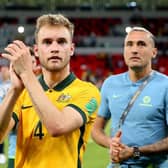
<point x="118" y="151"/>
<point x="19" y="55"/>
<point x="125" y="153"/>
<point x="115" y="147"/>
<point x="15" y="80"/>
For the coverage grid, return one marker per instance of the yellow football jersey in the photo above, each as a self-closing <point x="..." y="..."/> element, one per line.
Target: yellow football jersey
<point x="36" y="148"/>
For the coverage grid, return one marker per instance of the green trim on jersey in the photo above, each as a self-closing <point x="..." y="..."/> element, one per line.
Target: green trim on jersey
<point x="80" y="111"/>
<point x="81" y="142"/>
<point x="14" y="116"/>
<point x="62" y="85"/>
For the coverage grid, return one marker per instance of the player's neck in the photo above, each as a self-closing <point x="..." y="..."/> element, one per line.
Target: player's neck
<point x="137" y="75"/>
<point x="52" y="79"/>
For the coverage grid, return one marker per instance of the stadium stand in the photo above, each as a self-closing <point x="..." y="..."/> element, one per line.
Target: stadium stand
<point x="98" y="34"/>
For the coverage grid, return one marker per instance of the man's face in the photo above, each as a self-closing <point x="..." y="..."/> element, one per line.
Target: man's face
<point x="54" y="47"/>
<point x="139" y="50"/>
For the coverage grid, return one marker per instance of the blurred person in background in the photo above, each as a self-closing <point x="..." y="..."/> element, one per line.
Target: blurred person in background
<point x="138" y="111"/>
<point x="4" y="85"/>
<point x="35" y="62"/>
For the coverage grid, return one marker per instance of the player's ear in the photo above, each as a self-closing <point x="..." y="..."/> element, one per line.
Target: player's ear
<point x="72" y="49"/>
<point x="154" y="53"/>
<point x="35" y="48"/>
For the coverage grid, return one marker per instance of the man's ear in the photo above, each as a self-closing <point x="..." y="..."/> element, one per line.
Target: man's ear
<point x="35" y="48"/>
<point x="72" y="49"/>
<point x="154" y="53"/>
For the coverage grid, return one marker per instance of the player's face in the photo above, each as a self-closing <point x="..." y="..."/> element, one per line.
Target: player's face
<point x="139" y="50"/>
<point x="54" y="47"/>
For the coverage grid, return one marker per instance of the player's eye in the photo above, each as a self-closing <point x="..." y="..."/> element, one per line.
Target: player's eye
<point x="141" y="43"/>
<point x="62" y="41"/>
<point x="47" y="41"/>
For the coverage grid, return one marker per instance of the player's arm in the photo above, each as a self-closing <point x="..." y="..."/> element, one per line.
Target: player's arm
<point x="158" y="147"/>
<point x="126" y="152"/>
<point x="6" y="109"/>
<point x="57" y="122"/>
<point x="8" y="130"/>
<point x="98" y="132"/>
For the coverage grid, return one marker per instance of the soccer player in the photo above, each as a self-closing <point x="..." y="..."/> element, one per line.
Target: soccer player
<point x="138" y="110"/>
<point x="54" y="113"/>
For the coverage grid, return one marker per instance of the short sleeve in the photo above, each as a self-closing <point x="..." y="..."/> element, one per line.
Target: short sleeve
<point x="86" y="102"/>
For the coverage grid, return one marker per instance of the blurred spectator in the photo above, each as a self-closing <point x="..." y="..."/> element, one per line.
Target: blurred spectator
<point x="5" y="83"/>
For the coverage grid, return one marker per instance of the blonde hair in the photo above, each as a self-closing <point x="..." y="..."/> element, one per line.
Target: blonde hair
<point x="142" y="29"/>
<point x="54" y="19"/>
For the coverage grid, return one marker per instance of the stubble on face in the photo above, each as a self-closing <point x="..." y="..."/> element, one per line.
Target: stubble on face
<point x="55" y="48"/>
<point x="138" y="51"/>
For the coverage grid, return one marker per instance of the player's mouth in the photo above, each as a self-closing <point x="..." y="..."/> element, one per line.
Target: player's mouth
<point x="54" y="58"/>
<point x="135" y="59"/>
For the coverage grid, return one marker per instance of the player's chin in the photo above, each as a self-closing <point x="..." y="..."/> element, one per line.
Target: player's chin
<point x="136" y="68"/>
<point x="54" y="68"/>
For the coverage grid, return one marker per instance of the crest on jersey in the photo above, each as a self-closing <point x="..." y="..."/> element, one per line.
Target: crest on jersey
<point x="91" y="106"/>
<point x="64" y="97"/>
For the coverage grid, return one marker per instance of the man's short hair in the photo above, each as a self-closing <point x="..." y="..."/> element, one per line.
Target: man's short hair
<point x="54" y="19"/>
<point x="142" y="29"/>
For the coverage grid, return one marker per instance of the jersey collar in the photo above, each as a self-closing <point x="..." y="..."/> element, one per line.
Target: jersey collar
<point x="60" y="86"/>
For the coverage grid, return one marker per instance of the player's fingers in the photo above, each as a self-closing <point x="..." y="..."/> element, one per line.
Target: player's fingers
<point x="7" y="56"/>
<point x="11" y="49"/>
<point x="20" y="44"/>
<point x="118" y="134"/>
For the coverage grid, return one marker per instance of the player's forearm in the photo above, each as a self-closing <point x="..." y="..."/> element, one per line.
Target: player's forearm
<point x="6" y="109"/>
<point x="100" y="138"/>
<point x="48" y="113"/>
<point x="158" y="147"/>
